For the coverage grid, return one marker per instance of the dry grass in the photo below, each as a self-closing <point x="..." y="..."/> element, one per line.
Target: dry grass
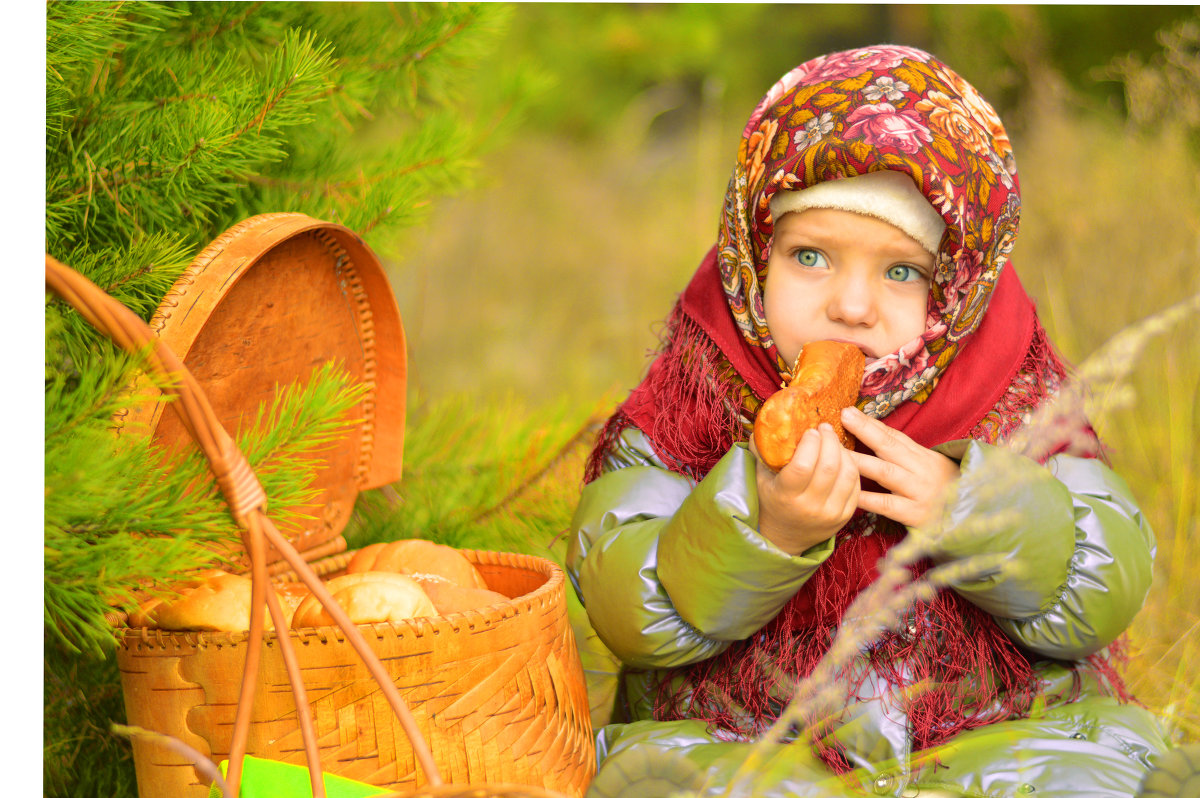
<point x="552" y="279"/>
<point x="1110" y="234"/>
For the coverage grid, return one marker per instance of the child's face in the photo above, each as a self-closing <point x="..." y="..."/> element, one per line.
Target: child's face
<point x="837" y="275"/>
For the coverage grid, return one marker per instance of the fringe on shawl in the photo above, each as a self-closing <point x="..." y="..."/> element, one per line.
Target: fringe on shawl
<point x="693" y="399"/>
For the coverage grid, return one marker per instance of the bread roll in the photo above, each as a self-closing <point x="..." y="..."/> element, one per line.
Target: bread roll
<point x="371" y="597"/>
<point x="448" y="597"/>
<point x="290" y="595"/>
<point x="417" y="557"/>
<point x="214" y="601"/>
<point x="827" y="379"/>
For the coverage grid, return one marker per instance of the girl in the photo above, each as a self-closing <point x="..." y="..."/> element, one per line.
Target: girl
<point x="874" y="201"/>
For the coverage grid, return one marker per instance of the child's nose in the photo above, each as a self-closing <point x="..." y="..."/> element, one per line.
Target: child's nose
<point x="853" y="301"/>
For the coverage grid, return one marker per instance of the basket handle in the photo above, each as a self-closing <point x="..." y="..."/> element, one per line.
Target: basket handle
<point x="247" y="503"/>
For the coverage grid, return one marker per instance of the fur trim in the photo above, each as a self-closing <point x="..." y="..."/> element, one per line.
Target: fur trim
<point x="886" y="195"/>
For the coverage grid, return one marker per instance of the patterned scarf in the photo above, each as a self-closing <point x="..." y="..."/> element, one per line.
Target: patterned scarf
<point x="983" y="349"/>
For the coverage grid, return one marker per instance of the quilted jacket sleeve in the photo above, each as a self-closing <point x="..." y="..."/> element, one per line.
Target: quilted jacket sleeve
<point x="1081" y="551"/>
<point x="672" y="571"/>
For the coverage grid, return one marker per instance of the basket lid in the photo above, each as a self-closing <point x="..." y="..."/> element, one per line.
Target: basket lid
<point x="264" y="305"/>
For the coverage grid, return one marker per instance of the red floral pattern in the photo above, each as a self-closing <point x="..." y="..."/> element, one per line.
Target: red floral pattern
<point x="884" y="125"/>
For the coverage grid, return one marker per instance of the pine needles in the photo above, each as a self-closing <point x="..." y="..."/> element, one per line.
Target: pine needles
<point x="115" y="507"/>
<point x="175" y="135"/>
<point x="187" y="117"/>
<point x="496" y="477"/>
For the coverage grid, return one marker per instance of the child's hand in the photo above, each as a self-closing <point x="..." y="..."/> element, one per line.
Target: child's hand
<point x="811" y="497"/>
<point x="917" y="477"/>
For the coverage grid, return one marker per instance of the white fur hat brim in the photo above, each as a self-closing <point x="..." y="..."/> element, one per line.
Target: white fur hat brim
<point x="887" y="195"/>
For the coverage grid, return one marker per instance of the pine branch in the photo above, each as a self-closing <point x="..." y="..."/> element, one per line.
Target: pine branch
<point x="293" y="79"/>
<point x="101" y="490"/>
<point x="197" y="37"/>
<point x="205" y="147"/>
<point x="494" y="477"/>
<point x="527" y="482"/>
<point x="137" y="277"/>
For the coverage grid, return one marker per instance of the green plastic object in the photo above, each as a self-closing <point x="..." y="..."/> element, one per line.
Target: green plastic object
<point x="266" y="778"/>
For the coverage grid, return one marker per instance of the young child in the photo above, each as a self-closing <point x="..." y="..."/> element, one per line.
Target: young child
<point x="874" y="201"/>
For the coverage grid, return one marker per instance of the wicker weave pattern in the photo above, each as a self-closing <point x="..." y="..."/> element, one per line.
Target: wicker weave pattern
<point x="497" y="693"/>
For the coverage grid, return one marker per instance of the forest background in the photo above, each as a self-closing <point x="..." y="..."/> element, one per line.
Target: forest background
<point x="532" y="296"/>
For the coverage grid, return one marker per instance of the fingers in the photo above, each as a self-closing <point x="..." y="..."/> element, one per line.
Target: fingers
<point x="882" y="472"/>
<point x="916" y="478"/>
<point x="886" y="442"/>
<point x="812" y="496"/>
<point x="822" y="470"/>
<point x="915" y="497"/>
<point x="898" y="508"/>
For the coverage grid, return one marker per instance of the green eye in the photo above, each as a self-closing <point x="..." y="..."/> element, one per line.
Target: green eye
<point x="810" y="258"/>
<point x="903" y="273"/>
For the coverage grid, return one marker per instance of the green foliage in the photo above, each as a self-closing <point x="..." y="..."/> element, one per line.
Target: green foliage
<point x="610" y="61"/>
<point x="1083" y="39"/>
<point x="495" y="476"/>
<point x="114" y="506"/>
<point x="185" y="118"/>
<point x="166" y="124"/>
<point x="136" y="275"/>
<point x="80" y="699"/>
<point x="1163" y="90"/>
<point x="674" y="63"/>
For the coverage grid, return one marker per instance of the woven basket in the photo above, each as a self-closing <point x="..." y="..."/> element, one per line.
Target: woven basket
<point x="498" y="693"/>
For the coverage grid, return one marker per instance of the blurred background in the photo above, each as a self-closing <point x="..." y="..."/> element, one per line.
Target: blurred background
<point x="597" y="202"/>
<point x="548" y="280"/>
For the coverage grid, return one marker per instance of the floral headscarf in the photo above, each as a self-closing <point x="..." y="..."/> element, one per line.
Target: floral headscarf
<point x="850" y="113"/>
<point x="981" y="365"/>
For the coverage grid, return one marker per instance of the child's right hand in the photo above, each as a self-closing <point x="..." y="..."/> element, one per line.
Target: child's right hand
<point x="812" y="497"/>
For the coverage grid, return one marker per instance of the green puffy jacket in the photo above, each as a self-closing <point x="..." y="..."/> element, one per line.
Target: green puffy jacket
<point x="672" y="571"/>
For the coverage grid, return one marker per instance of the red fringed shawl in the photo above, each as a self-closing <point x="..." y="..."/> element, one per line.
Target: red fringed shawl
<point x="689" y="406"/>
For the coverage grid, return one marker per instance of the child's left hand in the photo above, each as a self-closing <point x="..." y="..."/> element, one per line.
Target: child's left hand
<point x="917" y="477"/>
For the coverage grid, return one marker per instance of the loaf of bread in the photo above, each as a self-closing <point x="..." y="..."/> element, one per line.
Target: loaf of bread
<point x="291" y="595"/>
<point x="214" y="601"/>
<point x="448" y="597"/>
<point x="417" y="557"/>
<point x="826" y="379"/>
<point x="369" y="597"/>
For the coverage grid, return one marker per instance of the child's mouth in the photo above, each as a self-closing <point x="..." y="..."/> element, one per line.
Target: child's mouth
<point x="868" y="354"/>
